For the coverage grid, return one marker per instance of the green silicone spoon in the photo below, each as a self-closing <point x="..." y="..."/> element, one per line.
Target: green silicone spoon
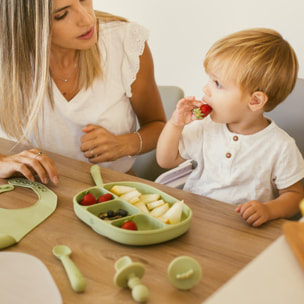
<point x="62" y="252"/>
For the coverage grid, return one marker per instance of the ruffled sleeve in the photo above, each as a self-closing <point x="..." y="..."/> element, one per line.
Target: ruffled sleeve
<point x="134" y="45"/>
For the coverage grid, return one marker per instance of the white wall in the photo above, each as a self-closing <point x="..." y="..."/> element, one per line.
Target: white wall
<point x="181" y="31"/>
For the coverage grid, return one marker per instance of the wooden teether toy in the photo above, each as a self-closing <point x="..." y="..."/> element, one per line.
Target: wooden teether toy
<point x="128" y="274"/>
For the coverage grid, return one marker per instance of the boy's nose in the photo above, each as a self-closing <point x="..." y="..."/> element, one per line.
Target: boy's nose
<point x="206" y="89"/>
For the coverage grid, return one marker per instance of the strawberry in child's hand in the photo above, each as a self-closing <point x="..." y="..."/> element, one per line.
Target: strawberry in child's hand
<point x="104" y="198"/>
<point x="88" y="199"/>
<point x="202" y="111"/>
<point x="129" y="225"/>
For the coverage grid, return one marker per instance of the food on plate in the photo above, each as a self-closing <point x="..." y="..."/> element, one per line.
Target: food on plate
<point x="88" y="199"/>
<point x="142" y="207"/>
<point x="202" y="111"/>
<point x="131" y="197"/>
<point x="155" y="204"/>
<point x="119" y="190"/>
<point x="104" y="198"/>
<point x="160" y="210"/>
<point x="174" y="214"/>
<point x="129" y="225"/>
<point x="151" y="204"/>
<point x="113" y="215"/>
<point x="148" y="198"/>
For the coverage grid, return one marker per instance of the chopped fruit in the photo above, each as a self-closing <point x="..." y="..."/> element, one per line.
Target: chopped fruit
<point x="131" y="197"/>
<point x="151" y="204"/>
<point x="159" y="211"/>
<point x="104" y="198"/>
<point x="129" y="225"/>
<point x="142" y="206"/>
<point x="202" y="111"/>
<point x="119" y="190"/>
<point x="155" y="204"/>
<point x="174" y="214"/>
<point x="148" y="198"/>
<point x="88" y="199"/>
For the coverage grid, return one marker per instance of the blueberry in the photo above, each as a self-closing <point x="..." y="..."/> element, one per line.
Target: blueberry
<point x="111" y="213"/>
<point x="122" y="212"/>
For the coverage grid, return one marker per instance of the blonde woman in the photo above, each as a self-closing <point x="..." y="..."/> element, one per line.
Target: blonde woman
<point x="74" y="81"/>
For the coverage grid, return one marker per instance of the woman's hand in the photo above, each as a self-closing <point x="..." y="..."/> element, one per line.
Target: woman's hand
<point x="254" y="213"/>
<point x="29" y="163"/>
<point x="99" y="145"/>
<point x="183" y="113"/>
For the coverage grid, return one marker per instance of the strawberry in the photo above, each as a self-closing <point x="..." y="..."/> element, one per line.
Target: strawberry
<point x="129" y="225"/>
<point x="104" y="198"/>
<point x="88" y="199"/>
<point x="202" y="111"/>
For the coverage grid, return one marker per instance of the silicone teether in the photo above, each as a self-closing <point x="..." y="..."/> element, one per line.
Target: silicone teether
<point x="184" y="272"/>
<point x="128" y="274"/>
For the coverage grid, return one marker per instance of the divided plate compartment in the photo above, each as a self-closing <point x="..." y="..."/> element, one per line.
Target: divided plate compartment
<point x="150" y="230"/>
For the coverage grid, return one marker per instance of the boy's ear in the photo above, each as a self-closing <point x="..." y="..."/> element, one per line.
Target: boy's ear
<point x="257" y="101"/>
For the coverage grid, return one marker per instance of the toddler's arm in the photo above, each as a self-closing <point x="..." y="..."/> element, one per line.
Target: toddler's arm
<point x="285" y="206"/>
<point x="167" y="153"/>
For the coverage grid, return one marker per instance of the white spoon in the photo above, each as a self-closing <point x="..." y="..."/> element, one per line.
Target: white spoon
<point x="62" y="252"/>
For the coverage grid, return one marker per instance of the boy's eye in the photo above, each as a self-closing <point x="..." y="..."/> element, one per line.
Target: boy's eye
<point x="218" y="85"/>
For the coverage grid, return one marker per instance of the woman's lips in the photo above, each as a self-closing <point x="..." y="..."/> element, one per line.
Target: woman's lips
<point x="88" y="35"/>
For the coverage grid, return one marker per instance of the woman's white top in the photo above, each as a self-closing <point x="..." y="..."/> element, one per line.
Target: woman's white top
<point x="238" y="168"/>
<point x="106" y="103"/>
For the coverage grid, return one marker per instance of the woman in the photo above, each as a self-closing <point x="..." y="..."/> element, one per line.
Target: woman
<point x="73" y="81"/>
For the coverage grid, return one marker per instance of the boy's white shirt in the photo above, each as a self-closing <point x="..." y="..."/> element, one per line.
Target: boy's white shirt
<point x="259" y="165"/>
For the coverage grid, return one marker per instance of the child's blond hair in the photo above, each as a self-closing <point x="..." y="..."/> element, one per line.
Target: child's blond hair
<point x="257" y="60"/>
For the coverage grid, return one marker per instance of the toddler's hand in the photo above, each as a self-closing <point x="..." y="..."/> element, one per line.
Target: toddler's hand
<point x="254" y="213"/>
<point x="183" y="113"/>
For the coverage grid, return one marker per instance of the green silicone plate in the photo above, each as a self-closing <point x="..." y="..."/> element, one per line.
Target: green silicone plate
<point x="150" y="230"/>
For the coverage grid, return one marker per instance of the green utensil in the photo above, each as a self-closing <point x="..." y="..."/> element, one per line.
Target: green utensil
<point x="16" y="223"/>
<point x="62" y="252"/>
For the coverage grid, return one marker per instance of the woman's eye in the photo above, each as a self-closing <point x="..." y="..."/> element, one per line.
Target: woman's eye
<point x="61" y="16"/>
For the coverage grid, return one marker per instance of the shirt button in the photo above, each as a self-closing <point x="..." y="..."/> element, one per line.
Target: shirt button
<point x="228" y="155"/>
<point x="235" y="138"/>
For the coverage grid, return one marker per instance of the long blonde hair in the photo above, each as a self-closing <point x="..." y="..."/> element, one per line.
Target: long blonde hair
<point x="257" y="59"/>
<point x="25" y="41"/>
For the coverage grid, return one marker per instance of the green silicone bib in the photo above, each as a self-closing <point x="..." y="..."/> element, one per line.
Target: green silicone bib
<point x="16" y="223"/>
